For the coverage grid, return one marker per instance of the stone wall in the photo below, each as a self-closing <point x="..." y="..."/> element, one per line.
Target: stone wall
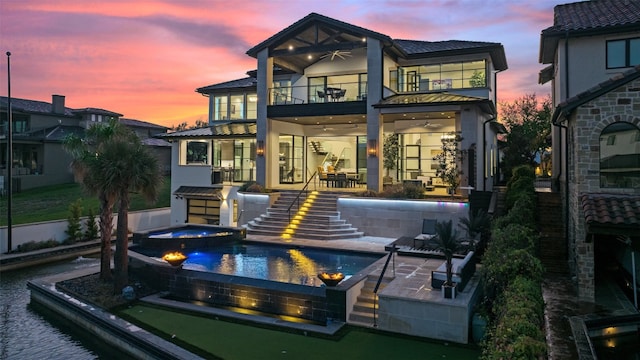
<point x="585" y="127"/>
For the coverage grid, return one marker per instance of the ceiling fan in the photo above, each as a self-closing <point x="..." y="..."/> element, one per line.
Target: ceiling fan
<point x="337" y="53"/>
<point x="428" y="124"/>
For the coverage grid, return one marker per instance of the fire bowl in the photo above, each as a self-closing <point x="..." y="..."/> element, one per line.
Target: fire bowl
<point x="174" y="258"/>
<point x="331" y="279"/>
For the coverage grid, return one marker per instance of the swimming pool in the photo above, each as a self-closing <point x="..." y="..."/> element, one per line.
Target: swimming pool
<point x="255" y="276"/>
<point x="187" y="237"/>
<point x="294" y="265"/>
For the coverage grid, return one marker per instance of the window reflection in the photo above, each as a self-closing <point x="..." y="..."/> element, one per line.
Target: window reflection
<point x="620" y="156"/>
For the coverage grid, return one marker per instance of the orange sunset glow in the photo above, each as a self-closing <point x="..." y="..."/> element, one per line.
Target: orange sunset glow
<point x="144" y="59"/>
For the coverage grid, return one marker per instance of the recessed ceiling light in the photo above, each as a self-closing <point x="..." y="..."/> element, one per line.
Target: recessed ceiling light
<point x="309" y="57"/>
<point x="290" y="47"/>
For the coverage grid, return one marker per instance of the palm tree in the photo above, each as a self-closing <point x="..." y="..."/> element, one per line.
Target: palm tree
<point x="87" y="165"/>
<point x="111" y="162"/>
<point x="448" y="244"/>
<point x="477" y="223"/>
<point x="133" y="169"/>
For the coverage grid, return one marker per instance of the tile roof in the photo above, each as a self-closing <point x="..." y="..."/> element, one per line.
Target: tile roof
<point x="612" y="210"/>
<point x="570" y="104"/>
<point x="140" y="123"/>
<point x="248" y="82"/>
<point x="32" y="106"/>
<point x="421" y="47"/>
<point x="594" y="14"/>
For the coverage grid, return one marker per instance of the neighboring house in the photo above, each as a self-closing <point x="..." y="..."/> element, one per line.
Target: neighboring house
<point x="147" y="131"/>
<point x="324" y="95"/>
<point x="593" y="49"/>
<point x="39" y="129"/>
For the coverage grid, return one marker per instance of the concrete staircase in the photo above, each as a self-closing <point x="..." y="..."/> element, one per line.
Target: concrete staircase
<point x="321" y="221"/>
<point x="553" y="244"/>
<point x="362" y="313"/>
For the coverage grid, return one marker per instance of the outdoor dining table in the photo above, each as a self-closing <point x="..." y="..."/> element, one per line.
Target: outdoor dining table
<point x="334" y="93"/>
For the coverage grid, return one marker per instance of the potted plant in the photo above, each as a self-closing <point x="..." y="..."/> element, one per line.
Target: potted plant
<point x="390" y="156"/>
<point x="448" y="160"/>
<point x="448" y="244"/>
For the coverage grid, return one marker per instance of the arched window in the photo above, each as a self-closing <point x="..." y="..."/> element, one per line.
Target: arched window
<point x="620" y="156"/>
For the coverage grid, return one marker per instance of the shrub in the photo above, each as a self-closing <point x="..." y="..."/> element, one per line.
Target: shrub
<point x="517" y="333"/>
<point x="36" y="245"/>
<point x="411" y="191"/>
<point x="74" y="227"/>
<point x="368" y="193"/>
<point x="395" y="191"/>
<point x="91" y="228"/>
<point x="252" y="186"/>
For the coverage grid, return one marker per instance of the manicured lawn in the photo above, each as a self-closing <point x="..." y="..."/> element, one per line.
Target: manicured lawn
<point x="52" y="203"/>
<point x="228" y="340"/>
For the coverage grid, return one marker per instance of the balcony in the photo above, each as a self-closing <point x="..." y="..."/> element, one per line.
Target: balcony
<point x="318" y="94"/>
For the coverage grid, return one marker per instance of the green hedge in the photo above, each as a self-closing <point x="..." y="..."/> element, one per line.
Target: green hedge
<point x="518" y="332"/>
<point x="512" y="276"/>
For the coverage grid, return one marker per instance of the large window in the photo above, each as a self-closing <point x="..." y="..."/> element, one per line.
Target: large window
<point x="620" y="156"/>
<point x="351" y="87"/>
<point x="459" y="75"/>
<point x="235" y="107"/>
<point x="623" y="53"/>
<point x="195" y="152"/>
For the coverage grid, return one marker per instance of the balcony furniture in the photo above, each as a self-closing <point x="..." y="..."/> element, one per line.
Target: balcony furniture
<point x="341" y="180"/>
<point x="427" y="236"/>
<point x="331" y="179"/>
<point x="462" y="270"/>
<point x="321" y="96"/>
<point x="335" y="93"/>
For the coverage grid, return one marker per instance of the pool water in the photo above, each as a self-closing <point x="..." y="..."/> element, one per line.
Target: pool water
<point x="274" y="262"/>
<point x="187" y="232"/>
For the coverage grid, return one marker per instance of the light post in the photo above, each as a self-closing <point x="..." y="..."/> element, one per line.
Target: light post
<point x="9" y="152"/>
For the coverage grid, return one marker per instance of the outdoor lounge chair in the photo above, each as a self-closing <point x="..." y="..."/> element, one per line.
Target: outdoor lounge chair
<point x="428" y="234"/>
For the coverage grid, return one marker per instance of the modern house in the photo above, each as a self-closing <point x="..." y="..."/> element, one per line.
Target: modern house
<point x="38" y="131"/>
<point x="324" y="96"/>
<point x="593" y="52"/>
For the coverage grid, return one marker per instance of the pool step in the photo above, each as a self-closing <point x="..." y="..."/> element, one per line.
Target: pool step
<point x="363" y="310"/>
<point x="321" y="221"/>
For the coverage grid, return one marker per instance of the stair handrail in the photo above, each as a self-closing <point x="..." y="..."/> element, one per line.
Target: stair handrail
<point x="375" y="289"/>
<point x="297" y="198"/>
<point x="239" y="216"/>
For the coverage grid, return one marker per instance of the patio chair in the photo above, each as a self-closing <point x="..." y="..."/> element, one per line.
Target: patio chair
<point x="341" y="180"/>
<point x="428" y="234"/>
<point x="331" y="178"/>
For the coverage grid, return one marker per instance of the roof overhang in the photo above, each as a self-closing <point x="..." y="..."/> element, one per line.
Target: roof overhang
<point x="198" y="192"/>
<point x="436" y="99"/>
<point x="219" y="130"/>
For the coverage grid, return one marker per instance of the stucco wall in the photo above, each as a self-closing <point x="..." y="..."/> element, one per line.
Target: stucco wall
<point x="394" y="218"/>
<point x="47" y="230"/>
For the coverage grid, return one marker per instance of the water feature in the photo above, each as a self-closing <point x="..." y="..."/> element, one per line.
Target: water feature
<point x="27" y="332"/>
<point x="286" y="264"/>
<point x="187" y="237"/>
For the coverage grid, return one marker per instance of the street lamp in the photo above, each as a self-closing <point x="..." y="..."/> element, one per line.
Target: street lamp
<point x="9" y="151"/>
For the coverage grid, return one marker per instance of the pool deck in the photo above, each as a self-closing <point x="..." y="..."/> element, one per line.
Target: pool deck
<point x="408" y="304"/>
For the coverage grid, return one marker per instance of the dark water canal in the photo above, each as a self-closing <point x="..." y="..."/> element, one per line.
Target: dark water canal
<point x="30" y="332"/>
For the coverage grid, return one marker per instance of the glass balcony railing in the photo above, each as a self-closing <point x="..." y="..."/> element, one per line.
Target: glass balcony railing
<point x="315" y="94"/>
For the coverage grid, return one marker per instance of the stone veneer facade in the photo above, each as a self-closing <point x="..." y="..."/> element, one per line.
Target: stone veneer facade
<point x="585" y="127"/>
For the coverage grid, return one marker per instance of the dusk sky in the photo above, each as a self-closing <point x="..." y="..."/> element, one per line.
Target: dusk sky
<point x="144" y="59"/>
